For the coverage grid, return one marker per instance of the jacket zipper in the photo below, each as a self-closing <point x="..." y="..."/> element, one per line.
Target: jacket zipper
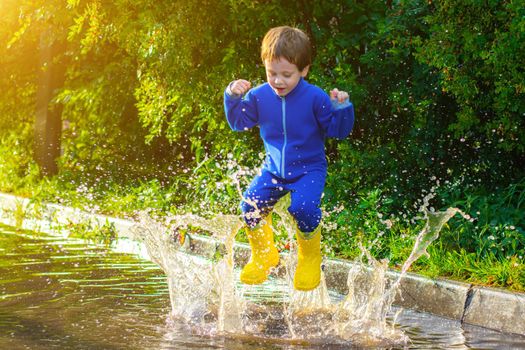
<point x="285" y="138"/>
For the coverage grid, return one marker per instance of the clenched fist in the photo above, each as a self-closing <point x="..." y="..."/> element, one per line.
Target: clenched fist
<point x="340" y="96"/>
<point x="240" y="87"/>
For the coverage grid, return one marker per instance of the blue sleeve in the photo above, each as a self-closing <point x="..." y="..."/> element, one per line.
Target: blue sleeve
<point x="336" y="119"/>
<point x="241" y="112"/>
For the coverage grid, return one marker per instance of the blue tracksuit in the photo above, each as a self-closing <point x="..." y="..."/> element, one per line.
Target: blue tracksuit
<point x="293" y="129"/>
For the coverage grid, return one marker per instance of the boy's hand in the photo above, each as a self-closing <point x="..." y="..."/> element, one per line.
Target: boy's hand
<point x="240" y="87"/>
<point x="339" y="96"/>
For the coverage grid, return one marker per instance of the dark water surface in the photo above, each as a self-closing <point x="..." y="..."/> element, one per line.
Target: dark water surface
<point x="58" y="293"/>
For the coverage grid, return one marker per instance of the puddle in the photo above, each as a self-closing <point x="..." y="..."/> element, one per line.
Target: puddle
<point x="58" y="293"/>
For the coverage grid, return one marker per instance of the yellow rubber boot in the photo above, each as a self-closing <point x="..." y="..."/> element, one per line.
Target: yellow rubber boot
<point x="264" y="254"/>
<point x="308" y="272"/>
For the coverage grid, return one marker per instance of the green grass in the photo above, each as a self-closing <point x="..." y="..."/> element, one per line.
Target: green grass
<point x="469" y="267"/>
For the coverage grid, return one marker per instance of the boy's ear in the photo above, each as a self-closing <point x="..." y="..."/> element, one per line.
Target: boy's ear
<point x="304" y="72"/>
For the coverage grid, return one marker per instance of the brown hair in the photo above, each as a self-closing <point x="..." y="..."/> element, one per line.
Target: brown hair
<point x="290" y="43"/>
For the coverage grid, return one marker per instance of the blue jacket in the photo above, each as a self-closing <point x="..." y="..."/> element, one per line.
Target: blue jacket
<point x="293" y="127"/>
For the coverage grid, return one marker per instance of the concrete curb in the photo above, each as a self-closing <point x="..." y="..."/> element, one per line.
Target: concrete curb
<point x="496" y="309"/>
<point x="480" y="306"/>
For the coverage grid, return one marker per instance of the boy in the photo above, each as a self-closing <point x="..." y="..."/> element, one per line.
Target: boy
<point x="294" y="118"/>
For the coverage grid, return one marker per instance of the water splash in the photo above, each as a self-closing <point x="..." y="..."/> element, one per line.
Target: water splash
<point x="430" y="232"/>
<point x="202" y="293"/>
<point x="206" y="297"/>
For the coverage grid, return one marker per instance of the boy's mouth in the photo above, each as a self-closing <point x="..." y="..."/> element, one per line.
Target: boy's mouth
<point x="280" y="90"/>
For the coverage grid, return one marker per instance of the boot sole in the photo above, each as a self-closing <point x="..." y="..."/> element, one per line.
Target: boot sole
<point x="307" y="288"/>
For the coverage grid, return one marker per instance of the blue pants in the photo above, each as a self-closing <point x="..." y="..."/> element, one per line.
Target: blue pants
<point x="266" y="189"/>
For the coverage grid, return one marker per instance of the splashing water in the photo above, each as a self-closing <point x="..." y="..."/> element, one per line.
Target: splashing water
<point x="206" y="297"/>
<point x="429" y="233"/>
<point x="202" y="294"/>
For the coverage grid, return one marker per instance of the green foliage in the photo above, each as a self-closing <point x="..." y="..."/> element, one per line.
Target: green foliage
<point x="464" y="266"/>
<point x="17" y="169"/>
<point x="474" y="45"/>
<point x="497" y="227"/>
<point x="105" y="233"/>
<point x="362" y="223"/>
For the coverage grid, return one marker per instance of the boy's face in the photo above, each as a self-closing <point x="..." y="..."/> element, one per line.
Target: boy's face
<point x="282" y="75"/>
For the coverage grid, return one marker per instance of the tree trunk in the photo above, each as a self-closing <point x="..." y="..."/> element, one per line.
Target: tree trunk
<point x="48" y="123"/>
